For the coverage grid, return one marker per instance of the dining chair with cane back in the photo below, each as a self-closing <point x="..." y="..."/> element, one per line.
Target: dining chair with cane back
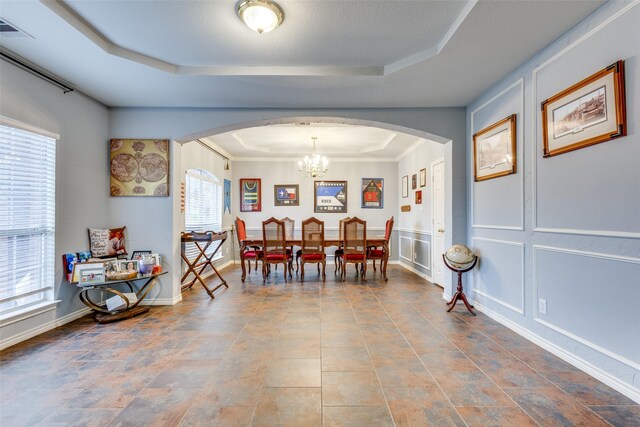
<point x="313" y="245"/>
<point x="381" y="252"/>
<point x="289" y="227"/>
<point x="274" y="245"/>
<point x="246" y="253"/>
<point x="354" y="245"/>
<point x="337" y="255"/>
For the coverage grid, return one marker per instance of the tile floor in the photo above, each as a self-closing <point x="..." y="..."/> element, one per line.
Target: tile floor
<point x="332" y="354"/>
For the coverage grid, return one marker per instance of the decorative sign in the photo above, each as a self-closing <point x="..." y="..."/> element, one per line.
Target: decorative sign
<point x="250" y="195"/>
<point x="405" y="208"/>
<point x="372" y="193"/>
<point x="139" y="167"/>
<point x="227" y="196"/>
<point x="286" y="195"/>
<point x="330" y="197"/>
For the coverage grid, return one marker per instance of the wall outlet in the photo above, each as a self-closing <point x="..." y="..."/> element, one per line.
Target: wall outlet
<point x="542" y="306"/>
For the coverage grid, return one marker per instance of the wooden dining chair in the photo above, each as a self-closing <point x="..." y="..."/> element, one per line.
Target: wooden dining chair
<point x="289" y="228"/>
<point x="381" y="252"/>
<point x="313" y="245"/>
<point x="354" y="245"/>
<point x="337" y="255"/>
<point x="274" y="245"/>
<point x="247" y="253"/>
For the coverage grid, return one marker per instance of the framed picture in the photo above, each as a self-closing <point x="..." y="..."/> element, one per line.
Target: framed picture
<point x="128" y="265"/>
<point x="587" y="113"/>
<point x="405" y="186"/>
<point x="372" y="193"/>
<point x="111" y="266"/>
<point x="494" y="150"/>
<point x="286" y="195"/>
<point x="227" y="197"/>
<point x="423" y="177"/>
<point x="330" y="197"/>
<point x="138" y="254"/>
<point x="86" y="273"/>
<point x="418" y="197"/>
<point x="414" y="181"/>
<point x="139" y="167"/>
<point x="250" y="195"/>
<point x="157" y="258"/>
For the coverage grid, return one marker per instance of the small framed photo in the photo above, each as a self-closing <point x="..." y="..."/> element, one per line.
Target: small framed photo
<point x="138" y="254"/>
<point x="405" y="186"/>
<point x="372" y="195"/>
<point x="128" y="265"/>
<point x="157" y="258"/>
<point x="286" y="195"/>
<point x="250" y="195"/>
<point x="589" y="112"/>
<point x="494" y="150"/>
<point x="414" y="181"/>
<point x="418" y="197"/>
<point x="111" y="266"/>
<point x="87" y="273"/>
<point x="423" y="177"/>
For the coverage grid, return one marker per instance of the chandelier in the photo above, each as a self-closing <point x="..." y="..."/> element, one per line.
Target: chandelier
<point x="313" y="166"/>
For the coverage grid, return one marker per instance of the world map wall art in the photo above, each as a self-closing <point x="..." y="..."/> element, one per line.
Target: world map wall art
<point x="139" y="167"/>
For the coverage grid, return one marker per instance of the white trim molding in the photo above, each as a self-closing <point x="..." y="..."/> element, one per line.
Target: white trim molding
<point x="410" y="239"/>
<point x="536" y="248"/>
<point x="425" y="276"/>
<point x="414" y="231"/>
<point x="520" y="310"/>
<point x="534" y="131"/>
<point x="519" y="158"/>
<point x="428" y="267"/>
<point x="613" y="382"/>
<point x="40" y="329"/>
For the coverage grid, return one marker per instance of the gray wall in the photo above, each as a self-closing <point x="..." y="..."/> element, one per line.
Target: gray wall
<point x="82" y="180"/>
<point x="415" y="227"/>
<point x="565" y="229"/>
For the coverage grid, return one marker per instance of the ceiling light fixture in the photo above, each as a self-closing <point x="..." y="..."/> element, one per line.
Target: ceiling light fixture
<point x="261" y="16"/>
<point x="313" y="166"/>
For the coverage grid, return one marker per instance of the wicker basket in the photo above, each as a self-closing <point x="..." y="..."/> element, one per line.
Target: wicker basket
<point x="122" y="275"/>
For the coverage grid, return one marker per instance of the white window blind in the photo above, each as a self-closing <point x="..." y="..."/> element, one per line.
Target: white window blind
<point x="203" y="206"/>
<point x="27" y="218"/>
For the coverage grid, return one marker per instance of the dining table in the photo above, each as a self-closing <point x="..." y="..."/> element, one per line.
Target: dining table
<point x="253" y="242"/>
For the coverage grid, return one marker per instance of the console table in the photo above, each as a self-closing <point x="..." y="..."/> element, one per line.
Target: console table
<point x="102" y="314"/>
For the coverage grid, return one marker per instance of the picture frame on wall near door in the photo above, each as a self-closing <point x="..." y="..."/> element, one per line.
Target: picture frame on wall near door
<point x="250" y="195"/>
<point x="405" y="186"/>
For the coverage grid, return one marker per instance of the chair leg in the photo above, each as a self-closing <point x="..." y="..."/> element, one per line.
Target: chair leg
<point x="324" y="267"/>
<point x="364" y="271"/>
<point x="264" y="273"/>
<point x="302" y="271"/>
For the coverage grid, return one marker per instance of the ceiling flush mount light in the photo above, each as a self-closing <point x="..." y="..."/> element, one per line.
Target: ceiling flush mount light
<point x="313" y="166"/>
<point x="261" y="16"/>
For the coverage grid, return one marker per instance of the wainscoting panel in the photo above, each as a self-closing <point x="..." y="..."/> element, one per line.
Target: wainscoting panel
<point x="499" y="275"/>
<point x="591" y="298"/>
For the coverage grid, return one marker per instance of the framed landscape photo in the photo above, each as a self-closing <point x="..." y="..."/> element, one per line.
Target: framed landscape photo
<point x="494" y="150"/>
<point x="330" y="196"/>
<point x="423" y="177"/>
<point x="286" y="195"/>
<point x="250" y="195"/>
<point x="405" y="186"/>
<point x="372" y="194"/>
<point x="590" y="112"/>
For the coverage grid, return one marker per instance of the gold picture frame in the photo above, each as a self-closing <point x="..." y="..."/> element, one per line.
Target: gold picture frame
<point x="590" y="112"/>
<point x="139" y="167"/>
<point x="494" y="150"/>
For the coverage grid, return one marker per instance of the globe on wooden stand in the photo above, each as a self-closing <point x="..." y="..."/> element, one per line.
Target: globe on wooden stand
<point x="459" y="259"/>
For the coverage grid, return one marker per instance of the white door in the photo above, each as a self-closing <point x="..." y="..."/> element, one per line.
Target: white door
<point x="437" y="173"/>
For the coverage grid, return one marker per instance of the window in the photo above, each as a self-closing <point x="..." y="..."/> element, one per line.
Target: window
<point x="203" y="206"/>
<point x="27" y="218"/>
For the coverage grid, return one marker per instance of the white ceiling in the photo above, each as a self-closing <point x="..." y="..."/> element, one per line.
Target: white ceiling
<point x="326" y="54"/>
<point x="338" y="142"/>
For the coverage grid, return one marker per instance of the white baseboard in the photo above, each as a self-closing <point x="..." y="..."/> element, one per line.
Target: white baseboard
<point x="410" y="268"/>
<point x="163" y="301"/>
<point x="23" y="336"/>
<point x="608" y="379"/>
